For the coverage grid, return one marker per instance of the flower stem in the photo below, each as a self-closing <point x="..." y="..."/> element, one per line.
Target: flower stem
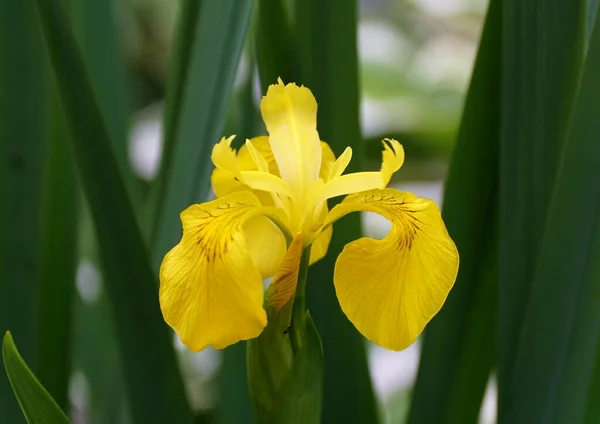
<point x="298" y="325"/>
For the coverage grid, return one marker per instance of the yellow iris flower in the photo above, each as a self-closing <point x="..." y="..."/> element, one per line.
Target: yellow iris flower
<point x="275" y="190"/>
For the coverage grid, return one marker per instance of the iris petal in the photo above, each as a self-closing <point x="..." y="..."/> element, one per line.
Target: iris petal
<point x="391" y="288"/>
<point x="211" y="291"/>
<point x="393" y="158"/>
<point x="290" y="115"/>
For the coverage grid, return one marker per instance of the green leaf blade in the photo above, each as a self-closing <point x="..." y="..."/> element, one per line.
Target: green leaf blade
<point x="23" y="138"/>
<point x="37" y="405"/>
<point x="561" y="331"/>
<point x="154" y="385"/>
<point x="58" y="263"/>
<point x="459" y="343"/>
<point x="541" y="60"/>
<point x="221" y="27"/>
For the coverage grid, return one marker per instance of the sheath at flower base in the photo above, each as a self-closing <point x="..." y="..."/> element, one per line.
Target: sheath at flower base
<point x="211" y="290"/>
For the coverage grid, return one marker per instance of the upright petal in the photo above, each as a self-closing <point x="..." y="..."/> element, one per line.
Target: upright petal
<point x="391" y="288"/>
<point x="290" y="115"/>
<point x="211" y="291"/>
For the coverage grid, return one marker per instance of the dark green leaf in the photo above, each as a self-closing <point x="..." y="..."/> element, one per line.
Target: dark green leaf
<point x="23" y="135"/>
<point x="219" y="33"/>
<point x="543" y="47"/>
<point x="95" y="26"/>
<point x="154" y="386"/>
<point x="561" y="331"/>
<point x="58" y="262"/>
<point x="275" y="45"/>
<point x="37" y="405"/>
<point x="458" y="347"/>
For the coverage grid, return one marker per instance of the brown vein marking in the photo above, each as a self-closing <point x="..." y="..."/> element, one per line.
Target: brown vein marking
<point x="212" y="242"/>
<point x="400" y="215"/>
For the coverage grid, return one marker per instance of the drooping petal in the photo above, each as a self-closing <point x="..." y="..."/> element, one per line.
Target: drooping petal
<point x="391" y="288"/>
<point x="265" y="243"/>
<point x="211" y="291"/>
<point x="393" y="158"/>
<point x="290" y="115"/>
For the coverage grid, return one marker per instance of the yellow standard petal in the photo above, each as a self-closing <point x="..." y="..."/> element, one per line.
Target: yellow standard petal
<point x="290" y="115"/>
<point x="391" y="288"/>
<point x="211" y="291"/>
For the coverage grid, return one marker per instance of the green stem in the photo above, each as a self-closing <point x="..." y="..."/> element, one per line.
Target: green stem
<point x="298" y="327"/>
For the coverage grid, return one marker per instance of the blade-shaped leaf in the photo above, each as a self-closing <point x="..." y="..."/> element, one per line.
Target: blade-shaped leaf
<point x="561" y="331"/>
<point x="37" y="405"/>
<point x="23" y="135"/>
<point x="327" y="39"/>
<point x="154" y="386"/>
<point x="458" y="346"/>
<point x="543" y="46"/>
<point x="95" y="26"/>
<point x="275" y="45"/>
<point x="58" y="262"/>
<point x="214" y="54"/>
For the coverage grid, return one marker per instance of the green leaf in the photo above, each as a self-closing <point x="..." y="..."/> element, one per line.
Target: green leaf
<point x="543" y="48"/>
<point x="327" y="42"/>
<point x="23" y="137"/>
<point x="95" y="27"/>
<point x="37" y="405"/>
<point x="177" y="77"/>
<point x="275" y="45"/>
<point x="219" y="33"/>
<point x="154" y="385"/>
<point x="459" y="343"/>
<point x="58" y="263"/>
<point x="561" y="331"/>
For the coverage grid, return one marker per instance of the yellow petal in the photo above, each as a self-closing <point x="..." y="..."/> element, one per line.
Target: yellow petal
<point x="211" y="292"/>
<point x="224" y="183"/>
<point x="284" y="283"/>
<point x="265" y="243"/>
<point x="391" y="288"/>
<point x="321" y="245"/>
<point x="290" y="115"/>
<point x="340" y="165"/>
<point x="327" y="160"/>
<point x="224" y="158"/>
<point x="393" y="158"/>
